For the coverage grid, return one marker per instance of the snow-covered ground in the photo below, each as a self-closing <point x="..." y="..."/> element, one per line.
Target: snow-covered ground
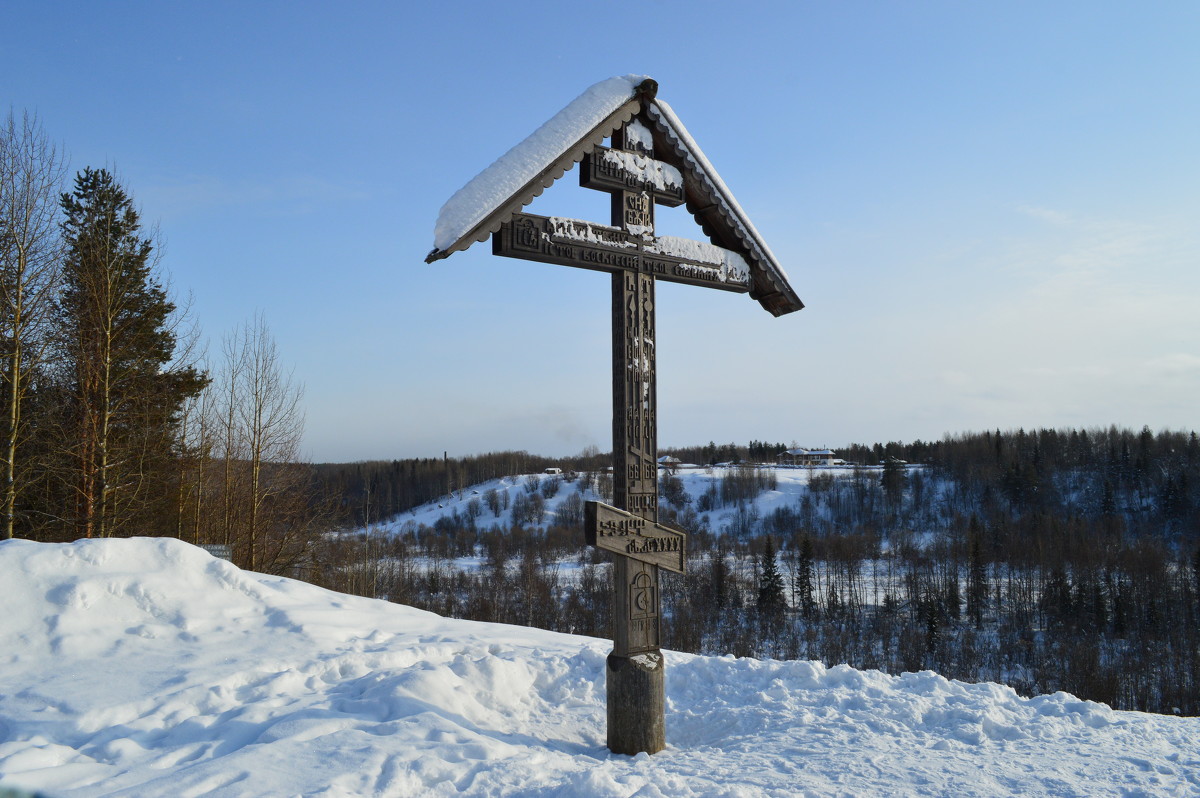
<point x="147" y="668"/>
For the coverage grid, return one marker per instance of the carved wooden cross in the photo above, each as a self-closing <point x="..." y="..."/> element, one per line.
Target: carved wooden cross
<point x="636" y="258"/>
<point x="625" y="109"/>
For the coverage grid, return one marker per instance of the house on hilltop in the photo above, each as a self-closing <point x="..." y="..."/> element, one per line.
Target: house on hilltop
<point x="808" y="457"/>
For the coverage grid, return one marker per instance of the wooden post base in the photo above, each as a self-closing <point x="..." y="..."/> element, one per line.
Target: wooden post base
<point x="636" y="695"/>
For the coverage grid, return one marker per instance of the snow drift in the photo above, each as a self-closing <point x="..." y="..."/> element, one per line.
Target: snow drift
<point x="146" y="667"/>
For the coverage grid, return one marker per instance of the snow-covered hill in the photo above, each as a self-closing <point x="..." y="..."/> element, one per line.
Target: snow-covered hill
<point x="147" y="668"/>
<point x="791" y="485"/>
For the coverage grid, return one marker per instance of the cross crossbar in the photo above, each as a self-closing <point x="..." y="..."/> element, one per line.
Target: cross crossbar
<point x="607" y="169"/>
<point x="611" y="529"/>
<point x="586" y="245"/>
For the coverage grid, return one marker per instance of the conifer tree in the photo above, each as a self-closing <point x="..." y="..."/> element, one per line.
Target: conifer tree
<point x="805" y="582"/>
<point x="771" y="599"/>
<point x="893" y="480"/>
<point x="719" y="576"/>
<point x="977" y="589"/>
<point x="118" y="333"/>
<point x="933" y="625"/>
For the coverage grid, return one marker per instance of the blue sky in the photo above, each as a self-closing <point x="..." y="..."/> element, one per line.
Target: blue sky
<point x="990" y="210"/>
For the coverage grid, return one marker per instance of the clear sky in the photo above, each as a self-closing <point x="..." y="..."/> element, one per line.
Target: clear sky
<point x="991" y="210"/>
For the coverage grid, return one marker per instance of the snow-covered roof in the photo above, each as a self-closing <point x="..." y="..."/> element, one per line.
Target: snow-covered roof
<point x="491" y="198"/>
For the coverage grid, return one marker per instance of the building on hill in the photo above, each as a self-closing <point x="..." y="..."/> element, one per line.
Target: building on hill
<point x="807" y="457"/>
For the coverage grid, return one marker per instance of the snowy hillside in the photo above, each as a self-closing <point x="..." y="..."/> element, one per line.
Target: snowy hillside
<point x="791" y="486"/>
<point x="147" y="668"/>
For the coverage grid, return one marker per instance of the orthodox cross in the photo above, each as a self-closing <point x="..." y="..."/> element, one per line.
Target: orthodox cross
<point x="636" y="258"/>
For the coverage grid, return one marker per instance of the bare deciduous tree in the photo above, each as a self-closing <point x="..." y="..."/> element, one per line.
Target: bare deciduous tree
<point x="31" y="173"/>
<point x="267" y="512"/>
<point x="272" y="421"/>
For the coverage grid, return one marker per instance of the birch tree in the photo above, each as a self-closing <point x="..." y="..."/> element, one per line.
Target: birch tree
<point x="31" y="173"/>
<point x="266" y="487"/>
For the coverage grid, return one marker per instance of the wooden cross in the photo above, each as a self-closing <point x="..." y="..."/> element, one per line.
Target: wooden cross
<point x="489" y="205"/>
<point x="636" y="258"/>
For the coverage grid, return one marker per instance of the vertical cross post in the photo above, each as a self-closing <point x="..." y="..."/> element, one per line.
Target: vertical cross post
<point x="635" y="668"/>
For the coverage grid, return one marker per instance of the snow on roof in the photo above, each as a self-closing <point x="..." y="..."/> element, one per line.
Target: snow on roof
<point x="491" y="198"/>
<point x="699" y="166"/>
<point x="524" y="165"/>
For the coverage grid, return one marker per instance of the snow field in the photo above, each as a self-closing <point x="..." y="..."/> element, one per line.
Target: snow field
<point x="145" y="667"/>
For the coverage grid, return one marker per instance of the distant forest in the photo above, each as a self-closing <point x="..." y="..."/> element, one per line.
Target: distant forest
<point x="1143" y="476"/>
<point x="1047" y="560"/>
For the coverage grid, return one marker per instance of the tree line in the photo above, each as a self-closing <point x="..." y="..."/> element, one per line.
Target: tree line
<point x="115" y="422"/>
<point x="371" y="491"/>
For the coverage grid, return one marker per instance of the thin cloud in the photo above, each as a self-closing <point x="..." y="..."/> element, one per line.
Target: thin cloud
<point x="199" y="194"/>
<point x="1048" y="215"/>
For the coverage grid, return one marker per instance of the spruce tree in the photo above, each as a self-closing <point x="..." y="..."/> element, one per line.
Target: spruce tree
<point x="933" y="625"/>
<point x="805" y="581"/>
<point x="977" y="588"/>
<point x="893" y="480"/>
<point x="771" y="599"/>
<point x="718" y="577"/>
<point x="118" y="337"/>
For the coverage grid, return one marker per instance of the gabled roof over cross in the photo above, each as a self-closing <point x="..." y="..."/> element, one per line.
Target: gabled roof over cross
<point x="498" y="193"/>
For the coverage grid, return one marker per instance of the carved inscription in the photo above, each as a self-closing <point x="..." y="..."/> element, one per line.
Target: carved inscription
<point x="572" y="242"/>
<point x="604" y="169"/>
<point x="639" y="216"/>
<point x="526" y="235"/>
<point x="643" y="597"/>
<point x="636" y="610"/>
<point x="626" y="533"/>
<point x="634" y="400"/>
